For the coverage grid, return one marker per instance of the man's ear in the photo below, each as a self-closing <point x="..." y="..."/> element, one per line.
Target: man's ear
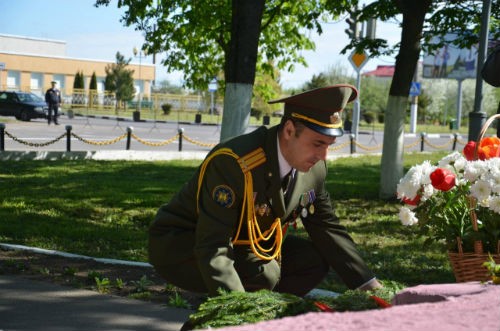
<point x="288" y="129"/>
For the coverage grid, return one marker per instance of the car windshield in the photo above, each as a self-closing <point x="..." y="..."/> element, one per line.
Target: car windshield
<point x="29" y="97"/>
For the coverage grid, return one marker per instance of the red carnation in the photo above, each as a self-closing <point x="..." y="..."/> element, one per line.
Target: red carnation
<point x="442" y="179"/>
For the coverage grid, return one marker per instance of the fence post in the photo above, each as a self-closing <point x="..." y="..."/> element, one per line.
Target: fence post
<point x="455" y="138"/>
<point x="180" y="131"/>
<point x="2" y="137"/>
<point x="68" y="138"/>
<point x="353" y="143"/>
<point x="129" y="135"/>
<point x="422" y="138"/>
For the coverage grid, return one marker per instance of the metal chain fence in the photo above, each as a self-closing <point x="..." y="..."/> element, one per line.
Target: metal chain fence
<point x="180" y="136"/>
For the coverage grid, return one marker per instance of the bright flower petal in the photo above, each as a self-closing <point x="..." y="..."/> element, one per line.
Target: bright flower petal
<point x="442" y="179"/>
<point x="407" y="217"/>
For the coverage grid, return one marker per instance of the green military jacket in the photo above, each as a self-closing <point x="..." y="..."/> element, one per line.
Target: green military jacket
<point x="214" y="224"/>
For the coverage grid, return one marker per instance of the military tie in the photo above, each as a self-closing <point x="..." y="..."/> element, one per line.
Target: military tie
<point x="286" y="184"/>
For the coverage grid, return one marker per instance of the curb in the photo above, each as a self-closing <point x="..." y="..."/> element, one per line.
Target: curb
<point x="14" y="247"/>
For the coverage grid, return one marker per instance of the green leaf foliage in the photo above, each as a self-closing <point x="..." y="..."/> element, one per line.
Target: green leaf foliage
<point x="236" y="308"/>
<point x="196" y="36"/>
<point x="119" y="79"/>
<point x="442" y="18"/>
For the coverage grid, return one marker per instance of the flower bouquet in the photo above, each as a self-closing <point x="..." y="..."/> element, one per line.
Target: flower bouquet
<point x="458" y="201"/>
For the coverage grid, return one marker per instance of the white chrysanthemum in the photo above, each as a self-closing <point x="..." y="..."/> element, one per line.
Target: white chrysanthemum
<point x="494" y="163"/>
<point x="493" y="176"/>
<point x="495" y="203"/>
<point x="460" y="163"/>
<point x="427" y="191"/>
<point x="426" y="168"/>
<point x="481" y="190"/>
<point x="450" y="159"/>
<point x="409" y="185"/>
<point x="407" y="189"/>
<point x="407" y="217"/>
<point x="473" y="170"/>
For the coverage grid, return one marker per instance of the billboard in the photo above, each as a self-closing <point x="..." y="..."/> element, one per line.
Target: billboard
<point x="449" y="61"/>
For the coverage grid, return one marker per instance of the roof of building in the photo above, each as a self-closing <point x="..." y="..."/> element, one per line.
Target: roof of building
<point x="381" y="71"/>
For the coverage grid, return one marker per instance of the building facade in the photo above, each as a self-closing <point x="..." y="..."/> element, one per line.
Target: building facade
<point x="30" y="64"/>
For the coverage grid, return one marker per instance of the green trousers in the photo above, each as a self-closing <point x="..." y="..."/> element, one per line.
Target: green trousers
<point x="300" y="270"/>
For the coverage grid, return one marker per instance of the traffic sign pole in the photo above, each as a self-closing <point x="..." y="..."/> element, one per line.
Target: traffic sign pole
<point x="415" y="90"/>
<point x="358" y="60"/>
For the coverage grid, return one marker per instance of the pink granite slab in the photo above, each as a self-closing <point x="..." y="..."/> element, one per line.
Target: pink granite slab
<point x="444" y="307"/>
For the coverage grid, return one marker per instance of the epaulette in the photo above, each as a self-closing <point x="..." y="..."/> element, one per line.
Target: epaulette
<point x="252" y="160"/>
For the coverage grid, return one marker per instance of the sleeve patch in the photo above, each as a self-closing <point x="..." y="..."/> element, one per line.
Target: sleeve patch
<point x="223" y="195"/>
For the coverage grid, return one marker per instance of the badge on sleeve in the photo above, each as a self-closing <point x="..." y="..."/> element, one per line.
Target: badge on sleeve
<point x="223" y="195"/>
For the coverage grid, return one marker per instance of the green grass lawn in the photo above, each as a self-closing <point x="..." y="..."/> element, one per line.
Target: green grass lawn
<point x="103" y="209"/>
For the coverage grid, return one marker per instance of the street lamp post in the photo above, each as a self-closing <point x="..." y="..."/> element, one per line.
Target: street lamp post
<point x="477" y="117"/>
<point x="212" y="88"/>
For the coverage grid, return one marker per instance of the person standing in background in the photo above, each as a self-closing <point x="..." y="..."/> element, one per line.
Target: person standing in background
<point x="53" y="100"/>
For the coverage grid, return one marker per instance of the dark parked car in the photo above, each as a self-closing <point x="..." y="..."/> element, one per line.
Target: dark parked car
<point x="24" y="106"/>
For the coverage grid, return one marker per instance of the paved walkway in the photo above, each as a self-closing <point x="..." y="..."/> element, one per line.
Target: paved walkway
<point x="33" y="305"/>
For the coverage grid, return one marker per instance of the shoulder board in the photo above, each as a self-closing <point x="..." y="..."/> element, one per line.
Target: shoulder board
<point x="252" y="160"/>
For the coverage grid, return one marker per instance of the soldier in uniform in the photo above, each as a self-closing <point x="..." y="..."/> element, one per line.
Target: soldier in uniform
<point x="226" y="228"/>
<point x="53" y="100"/>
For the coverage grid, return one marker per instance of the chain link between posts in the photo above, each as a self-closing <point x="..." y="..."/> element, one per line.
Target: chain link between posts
<point x="339" y="146"/>
<point x="24" y="142"/>
<point x="163" y="143"/>
<point x="100" y="143"/>
<point x="192" y="141"/>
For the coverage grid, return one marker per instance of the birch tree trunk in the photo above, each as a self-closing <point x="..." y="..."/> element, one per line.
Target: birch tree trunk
<point x="240" y="66"/>
<point x="391" y="168"/>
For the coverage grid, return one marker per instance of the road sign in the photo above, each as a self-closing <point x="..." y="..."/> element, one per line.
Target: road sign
<point x="212" y="86"/>
<point x="2" y="65"/>
<point x="415" y="89"/>
<point x="358" y="60"/>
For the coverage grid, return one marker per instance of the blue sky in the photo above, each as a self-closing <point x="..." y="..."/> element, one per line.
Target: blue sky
<point x="97" y="33"/>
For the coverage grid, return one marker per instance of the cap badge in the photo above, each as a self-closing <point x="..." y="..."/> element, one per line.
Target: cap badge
<point x="335" y="118"/>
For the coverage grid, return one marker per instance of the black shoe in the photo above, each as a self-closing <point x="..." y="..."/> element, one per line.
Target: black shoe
<point x="187" y="326"/>
<point x="56" y="123"/>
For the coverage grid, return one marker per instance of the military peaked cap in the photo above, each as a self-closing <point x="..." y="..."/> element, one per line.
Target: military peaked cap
<point x="319" y="109"/>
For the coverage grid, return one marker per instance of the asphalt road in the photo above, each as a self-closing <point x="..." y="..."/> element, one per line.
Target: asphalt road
<point x="94" y="134"/>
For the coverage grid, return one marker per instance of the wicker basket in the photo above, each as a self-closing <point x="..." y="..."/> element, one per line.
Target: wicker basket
<point x="469" y="266"/>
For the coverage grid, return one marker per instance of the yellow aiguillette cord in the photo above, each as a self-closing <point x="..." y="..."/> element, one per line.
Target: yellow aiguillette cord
<point x="255" y="235"/>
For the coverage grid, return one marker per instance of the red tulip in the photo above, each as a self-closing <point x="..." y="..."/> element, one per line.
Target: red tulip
<point x="488" y="147"/>
<point x="468" y="150"/>
<point x="442" y="179"/>
<point x="412" y="202"/>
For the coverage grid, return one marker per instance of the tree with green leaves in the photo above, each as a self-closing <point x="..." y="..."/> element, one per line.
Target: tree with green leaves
<point x="421" y="21"/>
<point x="238" y="37"/>
<point x="93" y="82"/>
<point x="119" y="79"/>
<point x="78" y="89"/>
<point x="93" y="89"/>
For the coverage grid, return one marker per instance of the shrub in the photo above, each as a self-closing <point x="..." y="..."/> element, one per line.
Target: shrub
<point x="167" y="108"/>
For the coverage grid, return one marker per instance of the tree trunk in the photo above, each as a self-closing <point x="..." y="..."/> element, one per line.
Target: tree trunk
<point x="241" y="60"/>
<point x="392" y="150"/>
<point x="406" y="62"/>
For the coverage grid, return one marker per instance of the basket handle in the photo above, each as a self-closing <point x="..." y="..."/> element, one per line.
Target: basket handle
<point x="483" y="132"/>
